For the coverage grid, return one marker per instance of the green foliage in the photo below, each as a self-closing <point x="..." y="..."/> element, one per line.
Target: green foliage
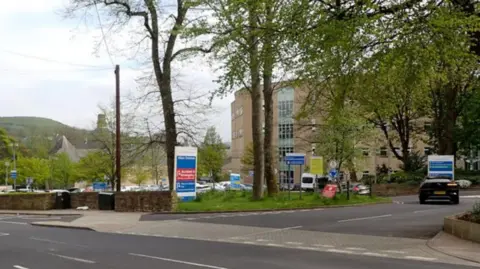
<point x="343" y="131"/>
<point x="247" y="158"/>
<point x="94" y="166"/>
<point x="36" y="168"/>
<point x="64" y="172"/>
<point x="237" y="200"/>
<point x="211" y="154"/>
<point x="141" y="175"/>
<point x="466" y="133"/>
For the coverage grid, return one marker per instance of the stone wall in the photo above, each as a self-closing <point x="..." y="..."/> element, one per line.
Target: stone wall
<point x="394" y="189"/>
<point x="89" y="199"/>
<point x="151" y="201"/>
<point x="31" y="201"/>
<point x="463" y="229"/>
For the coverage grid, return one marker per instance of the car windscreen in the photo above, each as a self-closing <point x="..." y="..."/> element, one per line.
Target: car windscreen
<point x="307" y="180"/>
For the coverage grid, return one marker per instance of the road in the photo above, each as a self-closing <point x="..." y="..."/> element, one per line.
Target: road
<point x="355" y="237"/>
<point x="25" y="246"/>
<point x="407" y="219"/>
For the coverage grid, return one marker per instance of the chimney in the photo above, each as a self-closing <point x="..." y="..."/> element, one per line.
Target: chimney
<point x="101" y="121"/>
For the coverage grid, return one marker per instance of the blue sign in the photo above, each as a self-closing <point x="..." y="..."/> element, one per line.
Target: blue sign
<point x="333" y="172"/>
<point x="295" y="159"/>
<point x="185" y="176"/>
<point x="13" y="174"/>
<point x="235" y="181"/>
<point x="99" y="186"/>
<point x="441" y="166"/>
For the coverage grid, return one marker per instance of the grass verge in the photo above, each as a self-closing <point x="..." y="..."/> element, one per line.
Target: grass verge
<point x="241" y="201"/>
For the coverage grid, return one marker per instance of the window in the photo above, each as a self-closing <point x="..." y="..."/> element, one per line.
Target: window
<point x="383" y="151"/>
<point x="234" y="135"/>
<point x="240" y="133"/>
<point x="365" y="173"/>
<point x="313" y="125"/>
<point x="427" y="126"/>
<point x="427" y="151"/>
<point x="285" y="109"/>
<point x="282" y="151"/>
<point x="263" y="127"/>
<point x="285" y="131"/>
<point x="365" y="152"/>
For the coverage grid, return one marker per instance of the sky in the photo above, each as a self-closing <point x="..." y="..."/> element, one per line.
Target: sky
<point x="50" y="67"/>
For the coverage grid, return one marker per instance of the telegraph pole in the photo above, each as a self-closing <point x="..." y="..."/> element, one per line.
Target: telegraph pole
<point x="117" y="129"/>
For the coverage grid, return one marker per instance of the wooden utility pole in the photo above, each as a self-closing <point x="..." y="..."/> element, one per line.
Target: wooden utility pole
<point x="117" y="130"/>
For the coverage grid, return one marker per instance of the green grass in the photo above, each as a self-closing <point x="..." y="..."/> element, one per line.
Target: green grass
<point x="239" y="200"/>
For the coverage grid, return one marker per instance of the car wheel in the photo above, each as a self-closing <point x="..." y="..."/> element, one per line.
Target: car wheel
<point x="422" y="200"/>
<point x="456" y="200"/>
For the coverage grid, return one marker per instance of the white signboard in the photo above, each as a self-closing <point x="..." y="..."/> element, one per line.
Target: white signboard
<point x="185" y="177"/>
<point x="441" y="166"/>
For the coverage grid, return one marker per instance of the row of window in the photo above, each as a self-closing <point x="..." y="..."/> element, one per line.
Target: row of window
<point x="285" y="131"/>
<point x="285" y="109"/>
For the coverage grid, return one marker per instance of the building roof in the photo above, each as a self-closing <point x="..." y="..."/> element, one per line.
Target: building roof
<point x="63" y="145"/>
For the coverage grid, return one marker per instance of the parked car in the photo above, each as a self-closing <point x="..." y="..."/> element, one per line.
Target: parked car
<point x="358" y="188"/>
<point x="439" y="189"/>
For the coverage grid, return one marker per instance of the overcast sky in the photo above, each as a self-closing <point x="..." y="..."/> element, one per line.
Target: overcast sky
<point x="48" y="67"/>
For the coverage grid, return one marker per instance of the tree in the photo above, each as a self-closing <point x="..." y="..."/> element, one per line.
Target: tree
<point x="466" y="133"/>
<point x="394" y="95"/>
<point x="149" y="13"/>
<point x="133" y="144"/>
<point x="141" y="175"/>
<point x="63" y="170"/>
<point x="94" y="166"/>
<point x="5" y="142"/>
<point x="36" y="168"/>
<point x="247" y="159"/>
<point x="211" y="154"/>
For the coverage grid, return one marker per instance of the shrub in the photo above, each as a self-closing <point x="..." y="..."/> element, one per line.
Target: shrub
<point x="475" y="213"/>
<point x="464" y="183"/>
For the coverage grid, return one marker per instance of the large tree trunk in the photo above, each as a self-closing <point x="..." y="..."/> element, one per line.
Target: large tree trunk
<point x="256" y="96"/>
<point x="164" y="80"/>
<point x="269" y="59"/>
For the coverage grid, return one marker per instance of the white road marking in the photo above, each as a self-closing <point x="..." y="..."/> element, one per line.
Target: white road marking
<point x="4" y="234"/>
<point x="366" y="218"/>
<point x="271" y="231"/>
<point x="353" y="248"/>
<point x="339" y="251"/>
<point x="307" y="248"/>
<point x="470" y="196"/>
<point x="13" y="222"/>
<point x="274" y="245"/>
<point x="323" y="246"/>
<point x="294" y="243"/>
<point x="178" y="261"/>
<point x="420" y="258"/>
<point x="262" y="240"/>
<point x="249" y="242"/>
<point x="19" y="267"/>
<point x="425" y="210"/>
<point x="394" y="251"/>
<point x="374" y="254"/>
<point x="56" y="242"/>
<point x="72" y="258"/>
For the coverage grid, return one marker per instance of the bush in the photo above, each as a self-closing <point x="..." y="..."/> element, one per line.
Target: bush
<point x="464" y="183"/>
<point x="475" y="213"/>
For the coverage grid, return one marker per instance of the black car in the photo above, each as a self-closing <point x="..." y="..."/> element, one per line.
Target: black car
<point x="439" y="189"/>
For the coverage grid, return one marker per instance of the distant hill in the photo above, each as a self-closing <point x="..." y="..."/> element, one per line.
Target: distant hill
<point x="26" y="128"/>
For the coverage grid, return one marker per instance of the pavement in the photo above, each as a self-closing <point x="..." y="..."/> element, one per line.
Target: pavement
<point x="355" y="237"/>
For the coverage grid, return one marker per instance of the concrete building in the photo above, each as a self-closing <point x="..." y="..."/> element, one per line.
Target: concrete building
<point x="290" y="136"/>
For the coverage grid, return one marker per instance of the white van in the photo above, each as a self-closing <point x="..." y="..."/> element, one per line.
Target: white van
<point x="308" y="181"/>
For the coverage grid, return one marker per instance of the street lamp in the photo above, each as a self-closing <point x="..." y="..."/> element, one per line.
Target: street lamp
<point x="14" y="147"/>
<point x="7" y="164"/>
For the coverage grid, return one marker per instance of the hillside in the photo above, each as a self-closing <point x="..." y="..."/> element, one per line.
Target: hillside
<point x="26" y="128"/>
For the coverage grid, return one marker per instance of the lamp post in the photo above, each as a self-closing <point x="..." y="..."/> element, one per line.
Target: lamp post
<point x="14" y="147"/>
<point x="7" y="164"/>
